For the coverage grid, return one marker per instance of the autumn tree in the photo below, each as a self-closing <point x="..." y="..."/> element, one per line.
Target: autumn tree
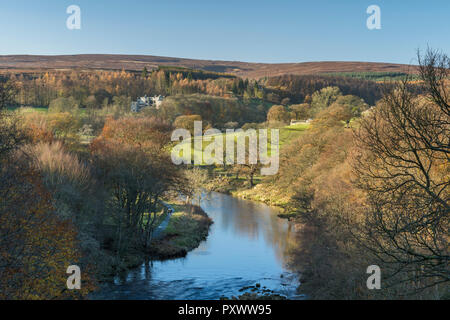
<point x="353" y="105"/>
<point x="187" y="122"/>
<point x="137" y="183"/>
<point x="300" y="111"/>
<point x="347" y="107"/>
<point x="36" y="246"/>
<point x="278" y="114"/>
<point x="138" y="171"/>
<point x="8" y="90"/>
<point x="403" y="165"/>
<point x="10" y="134"/>
<point x="102" y="96"/>
<point x="322" y="99"/>
<point x="148" y="133"/>
<point x="63" y="105"/>
<point x="63" y="125"/>
<point x="36" y="128"/>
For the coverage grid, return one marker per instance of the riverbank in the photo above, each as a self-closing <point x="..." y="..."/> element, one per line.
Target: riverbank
<point x="179" y="231"/>
<point x="187" y="228"/>
<point x="245" y="252"/>
<point x="238" y="182"/>
<point x="261" y="192"/>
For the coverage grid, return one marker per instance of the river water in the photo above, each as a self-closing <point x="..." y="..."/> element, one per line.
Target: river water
<point x="247" y="245"/>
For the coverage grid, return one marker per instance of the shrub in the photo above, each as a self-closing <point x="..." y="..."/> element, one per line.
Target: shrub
<point x="278" y="114"/>
<point x="63" y="105"/>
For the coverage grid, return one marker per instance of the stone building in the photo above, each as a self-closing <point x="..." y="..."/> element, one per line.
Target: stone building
<point x="145" y="101"/>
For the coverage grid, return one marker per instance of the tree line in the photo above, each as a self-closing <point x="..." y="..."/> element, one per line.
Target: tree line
<point x="374" y="194"/>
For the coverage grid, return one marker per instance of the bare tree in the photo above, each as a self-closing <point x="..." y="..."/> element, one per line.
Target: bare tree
<point x="138" y="181"/>
<point x="197" y="184"/>
<point x="403" y="164"/>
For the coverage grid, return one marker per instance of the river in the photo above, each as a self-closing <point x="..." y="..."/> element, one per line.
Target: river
<point x="247" y="245"/>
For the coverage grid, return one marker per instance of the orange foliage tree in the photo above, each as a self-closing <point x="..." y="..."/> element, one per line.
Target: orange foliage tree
<point x="36" y="246"/>
<point x="137" y="168"/>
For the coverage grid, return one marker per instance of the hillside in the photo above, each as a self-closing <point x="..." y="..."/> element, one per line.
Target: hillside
<point x="138" y="62"/>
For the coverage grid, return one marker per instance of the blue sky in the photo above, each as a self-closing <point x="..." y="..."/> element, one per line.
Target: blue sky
<point x="245" y="30"/>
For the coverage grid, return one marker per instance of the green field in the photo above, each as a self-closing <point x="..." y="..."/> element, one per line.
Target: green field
<point x="286" y="134"/>
<point x="28" y="109"/>
<point x="289" y="133"/>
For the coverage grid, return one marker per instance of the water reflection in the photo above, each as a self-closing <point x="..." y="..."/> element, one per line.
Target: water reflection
<point x="251" y="220"/>
<point x="247" y="244"/>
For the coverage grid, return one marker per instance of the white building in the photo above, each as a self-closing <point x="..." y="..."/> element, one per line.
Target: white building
<point x="157" y="100"/>
<point x="145" y="101"/>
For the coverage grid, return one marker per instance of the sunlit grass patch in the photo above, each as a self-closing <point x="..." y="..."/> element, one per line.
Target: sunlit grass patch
<point x="24" y="110"/>
<point x="188" y="226"/>
<point x="291" y="132"/>
<point x="286" y="134"/>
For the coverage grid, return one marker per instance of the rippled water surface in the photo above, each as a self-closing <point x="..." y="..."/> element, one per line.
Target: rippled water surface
<point x="246" y="245"/>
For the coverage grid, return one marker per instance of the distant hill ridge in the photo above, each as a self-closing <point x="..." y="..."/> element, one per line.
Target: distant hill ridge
<point x="242" y="69"/>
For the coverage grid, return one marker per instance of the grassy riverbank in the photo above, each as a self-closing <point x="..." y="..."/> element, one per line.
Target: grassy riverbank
<point x="188" y="226"/>
<point x="263" y="193"/>
<point x="265" y="190"/>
